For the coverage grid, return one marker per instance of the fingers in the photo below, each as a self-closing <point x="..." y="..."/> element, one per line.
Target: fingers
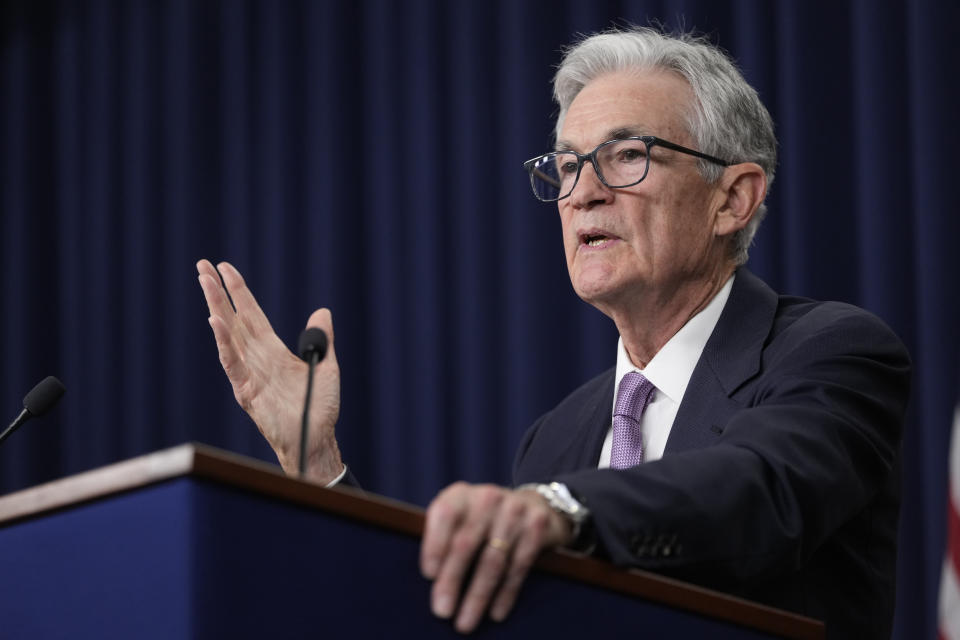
<point x="444" y="515"/>
<point x="221" y="317"/>
<point x="525" y="553"/>
<point x="217" y="301"/>
<point x="248" y="311"/>
<point x="499" y="533"/>
<point x="204" y="266"/>
<point x="230" y="359"/>
<point x="242" y="323"/>
<point x="323" y="319"/>
<point x="243" y="352"/>
<point x="496" y="559"/>
<point x="457" y="526"/>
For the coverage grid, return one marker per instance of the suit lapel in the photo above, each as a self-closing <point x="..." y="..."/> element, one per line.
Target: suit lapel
<point x="730" y="358"/>
<point x="572" y="439"/>
<point x="599" y="415"/>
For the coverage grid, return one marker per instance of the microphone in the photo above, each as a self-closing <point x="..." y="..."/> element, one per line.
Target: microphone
<point x="312" y="347"/>
<point x="313" y="340"/>
<point x="41" y="399"/>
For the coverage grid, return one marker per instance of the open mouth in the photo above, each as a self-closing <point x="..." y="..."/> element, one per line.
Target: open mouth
<point x="595" y="239"/>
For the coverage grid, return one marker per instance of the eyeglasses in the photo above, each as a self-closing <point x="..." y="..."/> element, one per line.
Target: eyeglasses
<point x="618" y="163"/>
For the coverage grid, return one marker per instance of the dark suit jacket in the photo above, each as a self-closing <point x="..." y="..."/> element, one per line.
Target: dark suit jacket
<point x="779" y="481"/>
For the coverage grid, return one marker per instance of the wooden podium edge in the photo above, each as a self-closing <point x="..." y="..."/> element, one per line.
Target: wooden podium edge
<point x="257" y="476"/>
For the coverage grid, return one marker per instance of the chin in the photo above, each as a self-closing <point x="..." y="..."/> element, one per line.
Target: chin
<point x="604" y="290"/>
<point x="592" y="292"/>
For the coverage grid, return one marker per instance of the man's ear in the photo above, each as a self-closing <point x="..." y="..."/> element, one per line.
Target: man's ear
<point x="740" y="192"/>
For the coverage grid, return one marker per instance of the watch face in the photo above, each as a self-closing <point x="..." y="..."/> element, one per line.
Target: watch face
<point x="561" y="500"/>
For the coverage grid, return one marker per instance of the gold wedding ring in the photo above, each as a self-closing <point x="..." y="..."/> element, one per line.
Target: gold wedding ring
<point x="499" y="544"/>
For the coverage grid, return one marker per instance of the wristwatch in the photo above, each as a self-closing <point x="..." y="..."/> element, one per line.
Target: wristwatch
<point x="560" y="500"/>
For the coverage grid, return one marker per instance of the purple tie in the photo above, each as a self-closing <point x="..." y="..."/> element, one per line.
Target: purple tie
<point x="633" y="395"/>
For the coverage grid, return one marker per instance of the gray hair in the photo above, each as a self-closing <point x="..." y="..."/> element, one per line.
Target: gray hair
<point x="727" y="119"/>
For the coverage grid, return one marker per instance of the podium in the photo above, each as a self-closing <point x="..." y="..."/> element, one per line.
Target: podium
<point x="193" y="542"/>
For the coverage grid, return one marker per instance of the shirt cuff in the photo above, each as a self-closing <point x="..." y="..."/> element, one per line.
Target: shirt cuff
<point x="337" y="480"/>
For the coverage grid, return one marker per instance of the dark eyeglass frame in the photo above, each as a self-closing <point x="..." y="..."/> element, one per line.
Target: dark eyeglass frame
<point x="650" y="142"/>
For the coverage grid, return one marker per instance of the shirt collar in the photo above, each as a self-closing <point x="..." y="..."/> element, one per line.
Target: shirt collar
<point x="671" y="368"/>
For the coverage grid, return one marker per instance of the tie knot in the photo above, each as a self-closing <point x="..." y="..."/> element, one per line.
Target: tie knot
<point x="633" y="395"/>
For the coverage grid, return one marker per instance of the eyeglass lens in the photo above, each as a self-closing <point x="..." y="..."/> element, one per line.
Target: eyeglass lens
<point x="621" y="163"/>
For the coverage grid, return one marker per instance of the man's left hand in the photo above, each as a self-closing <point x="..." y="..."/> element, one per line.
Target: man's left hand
<point x="502" y="530"/>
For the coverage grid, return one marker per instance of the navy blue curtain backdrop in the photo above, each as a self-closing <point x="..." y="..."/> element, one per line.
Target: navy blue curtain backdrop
<point x="366" y="156"/>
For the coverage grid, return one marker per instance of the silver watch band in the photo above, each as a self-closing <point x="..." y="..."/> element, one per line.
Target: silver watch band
<point x="560" y="499"/>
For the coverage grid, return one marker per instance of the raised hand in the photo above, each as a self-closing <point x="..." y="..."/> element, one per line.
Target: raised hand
<point x="502" y="530"/>
<point x="268" y="380"/>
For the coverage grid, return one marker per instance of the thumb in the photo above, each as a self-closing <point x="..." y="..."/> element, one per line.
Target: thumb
<point x="323" y="319"/>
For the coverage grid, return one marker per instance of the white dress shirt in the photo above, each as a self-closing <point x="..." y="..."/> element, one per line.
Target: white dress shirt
<point x="669" y="371"/>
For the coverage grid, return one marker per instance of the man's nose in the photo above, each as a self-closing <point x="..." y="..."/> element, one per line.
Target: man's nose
<point x="589" y="190"/>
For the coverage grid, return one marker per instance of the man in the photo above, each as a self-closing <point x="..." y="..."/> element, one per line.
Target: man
<point x="744" y="441"/>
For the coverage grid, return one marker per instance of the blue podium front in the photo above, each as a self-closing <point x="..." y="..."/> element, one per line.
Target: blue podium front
<point x="226" y="548"/>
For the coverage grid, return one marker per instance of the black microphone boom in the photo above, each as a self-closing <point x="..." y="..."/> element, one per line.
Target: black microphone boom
<point x="41" y="399"/>
<point x="313" y="347"/>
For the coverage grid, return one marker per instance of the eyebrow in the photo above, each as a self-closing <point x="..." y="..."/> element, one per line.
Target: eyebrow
<point x="612" y="134"/>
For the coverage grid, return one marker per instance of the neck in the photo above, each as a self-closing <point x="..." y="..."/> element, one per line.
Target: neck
<point x="651" y="320"/>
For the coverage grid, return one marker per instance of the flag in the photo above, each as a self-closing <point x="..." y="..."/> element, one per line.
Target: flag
<point x="949" y="609"/>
